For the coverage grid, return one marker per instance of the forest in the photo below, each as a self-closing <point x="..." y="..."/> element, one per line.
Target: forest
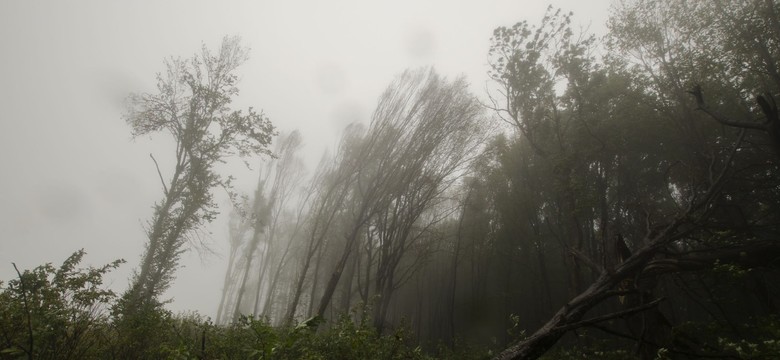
<point x="604" y="198"/>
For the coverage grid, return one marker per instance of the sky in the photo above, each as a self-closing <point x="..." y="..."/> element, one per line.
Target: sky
<point x="71" y="175"/>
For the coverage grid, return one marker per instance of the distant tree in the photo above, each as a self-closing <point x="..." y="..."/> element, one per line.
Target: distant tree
<point x="192" y="104"/>
<point x="436" y="150"/>
<point x="278" y="180"/>
<point x="238" y="227"/>
<point x="423" y="130"/>
<point x="292" y="232"/>
<point x="328" y="190"/>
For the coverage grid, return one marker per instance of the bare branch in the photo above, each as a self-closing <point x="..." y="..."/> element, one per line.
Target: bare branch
<point x="165" y="188"/>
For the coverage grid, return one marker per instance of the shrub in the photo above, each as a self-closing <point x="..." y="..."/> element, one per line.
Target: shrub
<point x="55" y="313"/>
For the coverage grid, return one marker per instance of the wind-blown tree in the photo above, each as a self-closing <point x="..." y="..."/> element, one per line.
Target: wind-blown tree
<point x="422" y="131"/>
<point x="192" y="104"/>
<point x="328" y="190"/>
<point x="288" y="176"/>
<point x="433" y="155"/>
<point x="238" y="228"/>
<point x="278" y="181"/>
<point x="378" y="198"/>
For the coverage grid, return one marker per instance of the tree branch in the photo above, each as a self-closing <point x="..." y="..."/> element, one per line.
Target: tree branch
<point x="723" y="120"/>
<point x="702" y="106"/>
<point x="165" y="188"/>
<point x="619" y="314"/>
<point x="586" y="260"/>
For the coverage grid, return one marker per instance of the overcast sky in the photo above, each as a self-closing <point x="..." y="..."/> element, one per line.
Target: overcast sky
<point x="72" y="177"/>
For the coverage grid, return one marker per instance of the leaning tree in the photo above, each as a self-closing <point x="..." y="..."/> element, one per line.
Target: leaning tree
<point x="192" y="104"/>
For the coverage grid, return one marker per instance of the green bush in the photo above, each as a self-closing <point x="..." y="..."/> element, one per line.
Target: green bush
<point x="55" y="313"/>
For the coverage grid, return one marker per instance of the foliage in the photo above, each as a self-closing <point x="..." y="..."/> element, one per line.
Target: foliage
<point x="611" y="153"/>
<point x="598" y="353"/>
<point x="754" y="339"/>
<point x="60" y="313"/>
<point x="63" y="310"/>
<point x="55" y="313"/>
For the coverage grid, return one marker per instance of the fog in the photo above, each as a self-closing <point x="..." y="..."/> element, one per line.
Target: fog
<point x="73" y="177"/>
<point x="394" y="180"/>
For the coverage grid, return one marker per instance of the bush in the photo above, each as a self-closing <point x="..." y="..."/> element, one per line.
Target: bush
<point x="49" y="313"/>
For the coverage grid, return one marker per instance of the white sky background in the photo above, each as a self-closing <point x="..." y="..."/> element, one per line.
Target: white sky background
<point x="72" y="177"/>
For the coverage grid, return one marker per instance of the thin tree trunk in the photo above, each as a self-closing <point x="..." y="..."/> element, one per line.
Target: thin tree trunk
<point x="240" y="294"/>
<point x="226" y="287"/>
<point x="275" y="281"/>
<point x="346" y="297"/>
<point x="336" y="275"/>
<point x="298" y="290"/>
<point x="315" y="281"/>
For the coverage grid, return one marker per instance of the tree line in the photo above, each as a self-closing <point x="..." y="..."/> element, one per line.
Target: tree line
<point x="632" y="170"/>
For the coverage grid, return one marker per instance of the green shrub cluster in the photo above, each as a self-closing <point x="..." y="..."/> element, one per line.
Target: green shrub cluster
<point x="55" y="313"/>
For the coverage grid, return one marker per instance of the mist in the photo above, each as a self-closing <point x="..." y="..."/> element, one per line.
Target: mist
<point x="492" y="177"/>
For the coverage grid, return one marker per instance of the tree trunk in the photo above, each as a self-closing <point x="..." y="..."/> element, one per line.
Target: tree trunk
<point x="298" y="290"/>
<point x="226" y="287"/>
<point x="314" y="282"/>
<point x="336" y="274"/>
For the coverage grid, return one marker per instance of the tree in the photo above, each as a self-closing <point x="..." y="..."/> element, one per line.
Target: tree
<point x="329" y="188"/>
<point x="422" y="131"/>
<point x="675" y="218"/>
<point x="192" y="104"/>
<point x="279" y="178"/>
<point x="238" y="226"/>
